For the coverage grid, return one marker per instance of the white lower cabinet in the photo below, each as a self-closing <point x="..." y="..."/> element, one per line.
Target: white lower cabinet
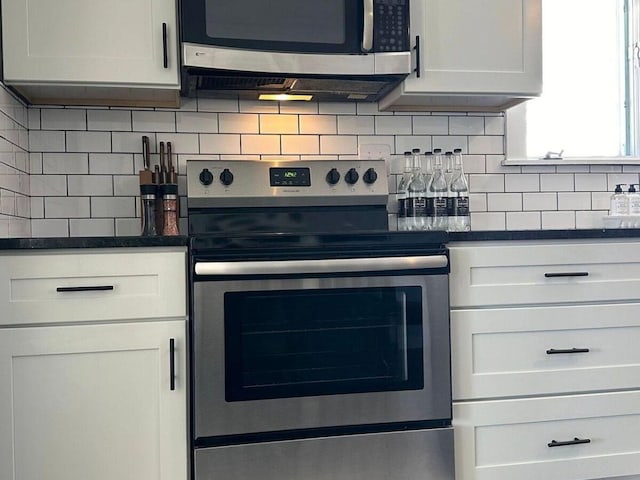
<point x="545" y="359"/>
<point x="581" y="437"/>
<point x="93" y="402"/>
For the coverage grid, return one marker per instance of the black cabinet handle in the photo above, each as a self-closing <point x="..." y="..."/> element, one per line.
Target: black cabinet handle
<point x="553" y="351"/>
<point x="172" y="363"/>
<point x="566" y="274"/>
<point x="417" y="49"/>
<point x="165" y="52"/>
<point x="575" y="441"/>
<point x="96" y="288"/>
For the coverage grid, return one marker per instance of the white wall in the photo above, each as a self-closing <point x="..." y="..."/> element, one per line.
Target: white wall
<point x="14" y="161"/>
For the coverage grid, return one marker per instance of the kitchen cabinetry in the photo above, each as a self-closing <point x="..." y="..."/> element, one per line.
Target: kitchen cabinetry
<point x="484" y="56"/>
<point x="92" y="52"/>
<point x="87" y="397"/>
<point x="544" y="351"/>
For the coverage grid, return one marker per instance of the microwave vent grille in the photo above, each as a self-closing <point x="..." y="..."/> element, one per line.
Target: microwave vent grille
<point x="242" y="83"/>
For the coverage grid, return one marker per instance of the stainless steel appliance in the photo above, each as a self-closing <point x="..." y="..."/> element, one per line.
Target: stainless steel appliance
<point x="320" y="340"/>
<point x="331" y="50"/>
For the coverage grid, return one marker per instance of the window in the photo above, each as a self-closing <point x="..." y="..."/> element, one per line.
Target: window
<point x="589" y="105"/>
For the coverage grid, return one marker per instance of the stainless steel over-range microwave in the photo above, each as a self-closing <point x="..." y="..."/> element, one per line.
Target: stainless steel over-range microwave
<point x="329" y="49"/>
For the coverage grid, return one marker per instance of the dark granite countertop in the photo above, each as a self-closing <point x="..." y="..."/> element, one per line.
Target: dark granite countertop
<point x="91" y="242"/>
<point x="404" y="238"/>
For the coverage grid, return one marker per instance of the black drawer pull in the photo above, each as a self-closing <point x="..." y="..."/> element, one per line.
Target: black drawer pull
<point x="575" y="441"/>
<point x="553" y="351"/>
<point x="95" y="288"/>
<point x="172" y="363"/>
<point x="566" y="274"/>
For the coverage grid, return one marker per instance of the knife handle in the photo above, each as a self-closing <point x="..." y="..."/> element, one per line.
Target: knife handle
<point x="146" y="155"/>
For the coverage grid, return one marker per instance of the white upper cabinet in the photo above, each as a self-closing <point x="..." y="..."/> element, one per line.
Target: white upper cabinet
<point x="121" y="43"/>
<point x="472" y="55"/>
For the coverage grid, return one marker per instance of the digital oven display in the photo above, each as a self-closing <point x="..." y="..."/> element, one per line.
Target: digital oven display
<point x="290" y="177"/>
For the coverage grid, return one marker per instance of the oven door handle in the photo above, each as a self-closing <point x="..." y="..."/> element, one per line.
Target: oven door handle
<point x="339" y="265"/>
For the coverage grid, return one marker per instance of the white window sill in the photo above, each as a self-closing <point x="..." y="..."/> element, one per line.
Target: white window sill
<point x="521" y="162"/>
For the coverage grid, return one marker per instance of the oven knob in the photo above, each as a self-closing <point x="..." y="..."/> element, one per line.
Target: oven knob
<point x="333" y="176"/>
<point x="370" y="176"/>
<point x="206" y="177"/>
<point x="226" y="177"/>
<point x="351" y="176"/>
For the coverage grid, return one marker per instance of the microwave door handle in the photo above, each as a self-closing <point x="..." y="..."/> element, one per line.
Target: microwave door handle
<point x="340" y="265"/>
<point x="367" y="28"/>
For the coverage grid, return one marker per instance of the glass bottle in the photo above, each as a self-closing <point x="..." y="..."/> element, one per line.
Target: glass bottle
<point x="458" y="207"/>
<point x="437" y="194"/>
<point x="403" y="186"/>
<point x="417" y="198"/>
<point x="148" y="203"/>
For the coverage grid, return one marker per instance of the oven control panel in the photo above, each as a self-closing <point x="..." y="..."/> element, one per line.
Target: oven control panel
<point x="223" y="183"/>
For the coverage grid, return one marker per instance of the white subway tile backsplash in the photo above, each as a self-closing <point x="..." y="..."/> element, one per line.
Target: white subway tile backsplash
<point x="466" y="126"/>
<point x="128" y="227"/>
<point x="113" y="207"/>
<point x="37" y="207"/>
<point x="450" y="143"/>
<point x="429" y="125"/>
<point x="63" y="119"/>
<point x="385" y="143"/>
<point x="594" y="182"/>
<point x="574" y="201"/>
<point x="558" y="220"/>
<point x="67" y="207"/>
<point x="260" y="144"/>
<point x="33" y="116"/>
<point x="494" y="165"/>
<point x="154" y="121"/>
<point x="487" y="145"/>
<point x="219" y="143"/>
<point x="318" y="124"/>
<point x="46" y="141"/>
<point x="90" y="185"/>
<point x="478" y="202"/>
<point x="605" y="168"/>
<point x="488" y="221"/>
<point x="590" y="219"/>
<point x="539" y="201"/>
<point x="395" y="125"/>
<point x="486" y="183"/>
<point x="255" y="106"/>
<point x="299" y="108"/>
<point x="300" y="144"/>
<point x="504" y="202"/>
<point x="109" y="120"/>
<point x="338" y="145"/>
<point x="559" y="182"/>
<point x="355" y="125"/>
<point x="238" y="123"/>
<point x="494" y="125"/>
<point x="48" y="185"/>
<point x="572" y="169"/>
<point x="181" y="142"/>
<point x="217" y="105"/>
<point x="53" y="163"/>
<point x="626" y="179"/>
<point x="337" y="108"/>
<point x="523" y="221"/>
<point x="50" y="228"/>
<point x="91" y="227"/>
<point x="89" y="142"/>
<point x="111" y="164"/>
<point x="366" y="108"/>
<point x="197" y="122"/>
<point x="529" y="182"/>
<point x="538" y="169"/>
<point x="599" y="200"/>
<point x="278" y="124"/>
<point x="126" y="142"/>
<point x="126" y="185"/>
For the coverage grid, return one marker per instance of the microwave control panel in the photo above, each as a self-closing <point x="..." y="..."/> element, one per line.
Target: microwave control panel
<point x="391" y="26"/>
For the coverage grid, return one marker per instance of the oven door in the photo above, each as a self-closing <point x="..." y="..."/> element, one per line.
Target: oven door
<point x="298" y="345"/>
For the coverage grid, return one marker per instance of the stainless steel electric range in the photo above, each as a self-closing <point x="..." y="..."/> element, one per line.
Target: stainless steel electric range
<point x="320" y="340"/>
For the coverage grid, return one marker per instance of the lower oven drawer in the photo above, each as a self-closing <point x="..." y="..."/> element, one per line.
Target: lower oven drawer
<point x="595" y="435"/>
<point x="408" y="455"/>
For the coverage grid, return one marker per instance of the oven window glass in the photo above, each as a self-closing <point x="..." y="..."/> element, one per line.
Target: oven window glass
<point x="277" y="20"/>
<point x="293" y="343"/>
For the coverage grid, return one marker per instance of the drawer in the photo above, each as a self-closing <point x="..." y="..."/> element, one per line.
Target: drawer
<point x="506" y="273"/>
<point x="510" y="439"/>
<point x="92" y="285"/>
<point x="544" y="350"/>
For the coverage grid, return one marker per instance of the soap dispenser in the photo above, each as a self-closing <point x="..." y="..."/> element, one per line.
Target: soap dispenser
<point x="633" y="197"/>
<point x="619" y="203"/>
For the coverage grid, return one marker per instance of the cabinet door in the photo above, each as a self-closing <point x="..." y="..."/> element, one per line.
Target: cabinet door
<point x="93" y="402"/>
<point x="80" y="41"/>
<point x="492" y="46"/>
